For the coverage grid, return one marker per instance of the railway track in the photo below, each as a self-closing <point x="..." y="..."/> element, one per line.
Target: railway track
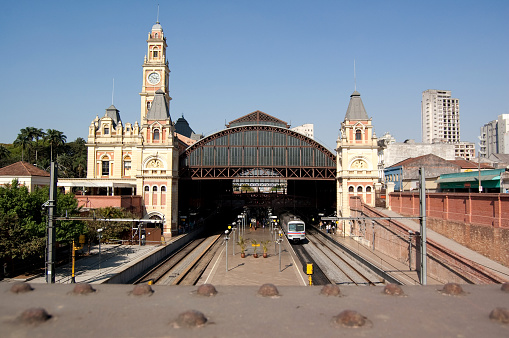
<point x="319" y="277"/>
<point x="339" y="267"/>
<point x="185" y="266"/>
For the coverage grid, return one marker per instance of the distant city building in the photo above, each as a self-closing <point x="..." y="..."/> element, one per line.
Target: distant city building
<point x="306" y="129"/>
<point x="494" y="137"/>
<point x="464" y="150"/>
<point x="405" y="174"/>
<point x="390" y="153"/>
<point x="440" y="117"/>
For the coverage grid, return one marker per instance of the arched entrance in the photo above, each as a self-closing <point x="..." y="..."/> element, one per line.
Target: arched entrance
<point x="257" y="160"/>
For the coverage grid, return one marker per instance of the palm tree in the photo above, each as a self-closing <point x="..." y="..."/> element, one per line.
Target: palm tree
<point x="55" y="139"/>
<point x="23" y="140"/>
<point x="35" y="133"/>
<point x="4" y="152"/>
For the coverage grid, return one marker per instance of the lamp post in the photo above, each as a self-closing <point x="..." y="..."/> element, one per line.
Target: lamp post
<point x="226" y="238"/>
<point x="99" y="234"/>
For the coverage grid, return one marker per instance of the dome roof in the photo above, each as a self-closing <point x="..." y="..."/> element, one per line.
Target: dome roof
<point x="157" y="27"/>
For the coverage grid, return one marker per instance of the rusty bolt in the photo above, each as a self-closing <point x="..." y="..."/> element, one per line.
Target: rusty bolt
<point x="191" y="318"/>
<point x="142" y="289"/>
<point x="207" y="290"/>
<point x="393" y="290"/>
<point x="453" y="289"/>
<point x="34" y="315"/>
<point x="500" y="315"/>
<point x="350" y="318"/>
<point x="330" y="290"/>
<point x="83" y="289"/>
<point x="505" y="287"/>
<point x="21" y="287"/>
<point x="268" y="290"/>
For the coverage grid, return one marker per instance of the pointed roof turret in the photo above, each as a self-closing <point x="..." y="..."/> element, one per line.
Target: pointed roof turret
<point x="113" y="113"/>
<point x="356" y="110"/>
<point x="159" y="109"/>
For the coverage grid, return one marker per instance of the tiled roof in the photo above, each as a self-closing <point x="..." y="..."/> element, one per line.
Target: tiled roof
<point x="185" y="139"/>
<point x="466" y="164"/>
<point x="22" y="169"/>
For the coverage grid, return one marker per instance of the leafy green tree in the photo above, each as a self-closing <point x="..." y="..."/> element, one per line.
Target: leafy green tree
<point x="73" y="160"/>
<point x="111" y="230"/>
<point x="22" y="231"/>
<point x="23" y="221"/>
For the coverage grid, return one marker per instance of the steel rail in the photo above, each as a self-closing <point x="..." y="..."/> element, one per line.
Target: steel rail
<point x="322" y="242"/>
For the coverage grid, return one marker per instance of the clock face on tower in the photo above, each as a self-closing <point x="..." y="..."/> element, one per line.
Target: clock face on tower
<point x="153" y="78"/>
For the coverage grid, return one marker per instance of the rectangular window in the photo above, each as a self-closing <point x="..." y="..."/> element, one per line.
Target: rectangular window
<point x="156" y="53"/>
<point x="105" y="168"/>
<point x="106" y="130"/>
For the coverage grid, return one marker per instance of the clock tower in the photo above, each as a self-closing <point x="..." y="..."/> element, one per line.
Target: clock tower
<point x="156" y="72"/>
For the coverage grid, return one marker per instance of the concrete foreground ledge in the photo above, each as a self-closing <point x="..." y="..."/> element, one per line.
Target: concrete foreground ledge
<point x="240" y="311"/>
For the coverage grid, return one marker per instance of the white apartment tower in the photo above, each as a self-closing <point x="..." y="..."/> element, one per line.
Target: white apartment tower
<point x="440" y="117"/>
<point x="494" y="137"/>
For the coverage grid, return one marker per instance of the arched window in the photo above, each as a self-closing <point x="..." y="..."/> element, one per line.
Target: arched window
<point x="350" y="189"/>
<point x="154" y="188"/>
<point x="358" y="135"/>
<point x="359" y="189"/>
<point x="163" y="188"/>
<point x="148" y="105"/>
<point x="156" y="135"/>
<point x="147" y="188"/>
<point x="368" y="189"/>
<point x="105" y="167"/>
<point x="156" y="35"/>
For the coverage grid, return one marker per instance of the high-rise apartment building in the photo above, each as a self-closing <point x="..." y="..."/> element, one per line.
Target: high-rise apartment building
<point x="494" y="137"/>
<point x="306" y="129"/>
<point x="440" y="117"/>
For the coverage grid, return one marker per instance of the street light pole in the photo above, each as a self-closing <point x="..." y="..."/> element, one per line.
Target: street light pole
<point x="99" y="234"/>
<point x="226" y="244"/>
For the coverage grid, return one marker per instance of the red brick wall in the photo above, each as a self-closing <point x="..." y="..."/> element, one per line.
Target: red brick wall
<point x="391" y="238"/>
<point x="130" y="203"/>
<point x="477" y="221"/>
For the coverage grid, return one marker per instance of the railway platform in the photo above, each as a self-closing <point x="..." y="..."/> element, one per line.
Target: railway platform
<point x="255" y="271"/>
<point x="99" y="266"/>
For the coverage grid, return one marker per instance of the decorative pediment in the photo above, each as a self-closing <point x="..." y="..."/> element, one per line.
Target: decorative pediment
<point x="154" y="163"/>
<point x="258" y="117"/>
<point x="359" y="163"/>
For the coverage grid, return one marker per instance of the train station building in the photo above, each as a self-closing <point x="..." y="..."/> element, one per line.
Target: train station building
<point x="150" y="168"/>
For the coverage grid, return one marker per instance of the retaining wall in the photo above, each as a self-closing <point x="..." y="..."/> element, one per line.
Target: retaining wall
<point x="478" y="221"/>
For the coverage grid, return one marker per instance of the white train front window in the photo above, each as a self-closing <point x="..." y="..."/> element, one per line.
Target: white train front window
<point x="296" y="227"/>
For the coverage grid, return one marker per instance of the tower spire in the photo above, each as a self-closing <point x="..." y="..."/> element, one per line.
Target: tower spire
<point x="157" y="21"/>
<point x="354" y="77"/>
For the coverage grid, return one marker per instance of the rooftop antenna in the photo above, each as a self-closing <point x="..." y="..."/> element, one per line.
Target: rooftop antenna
<point x="354" y="77"/>
<point x="157" y="21"/>
<point x="113" y="91"/>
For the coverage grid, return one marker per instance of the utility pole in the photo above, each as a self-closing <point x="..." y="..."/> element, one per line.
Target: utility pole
<point x="422" y="214"/>
<point x="50" y="240"/>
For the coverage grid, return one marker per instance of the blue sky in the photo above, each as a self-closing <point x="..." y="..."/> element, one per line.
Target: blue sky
<point x="291" y="59"/>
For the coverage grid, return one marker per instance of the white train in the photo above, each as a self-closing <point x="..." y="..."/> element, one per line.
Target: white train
<point x="293" y="227"/>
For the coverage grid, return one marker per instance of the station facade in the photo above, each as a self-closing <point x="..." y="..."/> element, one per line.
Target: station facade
<point x="148" y="159"/>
